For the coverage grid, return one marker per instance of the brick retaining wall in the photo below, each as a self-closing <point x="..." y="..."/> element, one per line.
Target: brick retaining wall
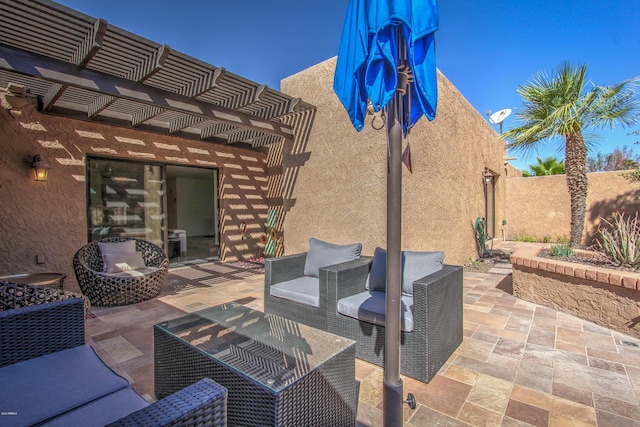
<point x="607" y="297"/>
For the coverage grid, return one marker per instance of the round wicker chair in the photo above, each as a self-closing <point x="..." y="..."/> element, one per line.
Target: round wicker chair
<point x="107" y="290"/>
<point x="16" y="295"/>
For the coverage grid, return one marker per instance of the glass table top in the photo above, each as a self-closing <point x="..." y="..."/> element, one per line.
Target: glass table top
<point x="269" y="349"/>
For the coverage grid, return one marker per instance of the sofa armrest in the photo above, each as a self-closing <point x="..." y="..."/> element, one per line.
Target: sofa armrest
<point x="342" y="280"/>
<point x="203" y="403"/>
<point x="448" y="273"/>
<point x="281" y="269"/>
<point x="439" y="296"/>
<point x="40" y="329"/>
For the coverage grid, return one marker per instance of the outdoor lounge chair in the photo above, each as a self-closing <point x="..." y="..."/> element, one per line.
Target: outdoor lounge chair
<point x="296" y="286"/>
<point x="49" y="376"/>
<point x="130" y="271"/>
<point x="428" y="338"/>
<point x="432" y="316"/>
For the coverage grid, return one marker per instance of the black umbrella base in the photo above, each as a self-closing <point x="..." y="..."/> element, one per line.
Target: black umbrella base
<point x="392" y="404"/>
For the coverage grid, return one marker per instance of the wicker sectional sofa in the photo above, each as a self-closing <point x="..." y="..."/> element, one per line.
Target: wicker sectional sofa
<point x="50" y="377"/>
<point x="437" y="312"/>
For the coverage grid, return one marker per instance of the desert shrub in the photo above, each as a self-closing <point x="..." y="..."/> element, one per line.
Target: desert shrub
<point x="475" y="263"/>
<point x="528" y="238"/>
<point x="620" y="240"/>
<point x="561" y="250"/>
<point x="524" y="237"/>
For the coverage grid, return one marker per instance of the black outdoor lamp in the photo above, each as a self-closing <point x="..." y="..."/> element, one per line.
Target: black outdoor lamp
<point x="41" y="168"/>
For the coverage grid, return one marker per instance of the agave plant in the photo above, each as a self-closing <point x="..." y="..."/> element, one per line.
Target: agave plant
<point x="620" y="241"/>
<point x="561" y="250"/>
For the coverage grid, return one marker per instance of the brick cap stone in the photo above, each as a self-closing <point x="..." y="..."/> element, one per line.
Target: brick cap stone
<point x="527" y="256"/>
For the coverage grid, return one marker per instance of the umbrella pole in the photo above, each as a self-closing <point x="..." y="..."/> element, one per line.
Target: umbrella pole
<point x="392" y="397"/>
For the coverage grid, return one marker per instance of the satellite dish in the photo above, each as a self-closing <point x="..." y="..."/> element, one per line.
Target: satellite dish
<point x="498" y="117"/>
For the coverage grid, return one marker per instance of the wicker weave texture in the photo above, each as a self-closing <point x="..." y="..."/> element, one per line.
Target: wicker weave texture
<point x="16" y="295"/>
<point x="201" y="404"/>
<point x="291" y="267"/>
<point x="438" y="331"/>
<point x="36" y="330"/>
<point x="40" y="329"/>
<point x="104" y="290"/>
<point x="327" y="396"/>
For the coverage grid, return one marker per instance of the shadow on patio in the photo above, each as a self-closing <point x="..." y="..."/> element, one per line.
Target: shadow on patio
<point x="519" y="364"/>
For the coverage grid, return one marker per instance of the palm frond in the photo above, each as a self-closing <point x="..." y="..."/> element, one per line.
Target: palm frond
<point x="565" y="102"/>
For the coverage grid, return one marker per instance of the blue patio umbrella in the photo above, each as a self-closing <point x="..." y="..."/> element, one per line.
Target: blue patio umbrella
<point x="387" y="57"/>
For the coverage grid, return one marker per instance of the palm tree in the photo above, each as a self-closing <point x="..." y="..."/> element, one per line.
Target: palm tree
<point x="548" y="166"/>
<point x="564" y="105"/>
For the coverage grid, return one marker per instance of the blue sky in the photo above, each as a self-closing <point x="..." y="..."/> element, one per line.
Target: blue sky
<point x="486" y="49"/>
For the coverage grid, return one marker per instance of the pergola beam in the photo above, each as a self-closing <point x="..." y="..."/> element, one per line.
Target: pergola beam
<point x="147" y="113"/>
<point x="99" y="104"/>
<point x="151" y="65"/>
<point x="91" y="44"/>
<point x="55" y="91"/>
<point x="64" y="73"/>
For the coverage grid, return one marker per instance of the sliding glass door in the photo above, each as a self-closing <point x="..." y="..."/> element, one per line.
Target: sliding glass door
<point x="125" y="199"/>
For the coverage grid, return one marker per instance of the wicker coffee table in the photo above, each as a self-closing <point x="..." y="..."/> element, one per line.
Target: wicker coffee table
<point x="277" y="372"/>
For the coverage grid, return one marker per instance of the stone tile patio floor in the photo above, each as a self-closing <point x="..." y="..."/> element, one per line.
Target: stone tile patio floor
<point x="520" y="364"/>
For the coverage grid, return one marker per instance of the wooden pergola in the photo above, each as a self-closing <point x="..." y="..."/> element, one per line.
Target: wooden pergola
<point x="83" y="67"/>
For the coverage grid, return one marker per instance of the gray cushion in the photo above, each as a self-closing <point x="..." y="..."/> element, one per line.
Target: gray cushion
<point x="377" y="279"/>
<point x="303" y="290"/>
<point x="370" y="307"/>
<point x="55" y="383"/>
<point x="416" y="265"/>
<point x="103" y="411"/>
<point x="122" y="261"/>
<point x="323" y="254"/>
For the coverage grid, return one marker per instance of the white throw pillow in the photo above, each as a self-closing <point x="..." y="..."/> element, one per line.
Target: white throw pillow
<point x="127" y="246"/>
<point x="123" y="261"/>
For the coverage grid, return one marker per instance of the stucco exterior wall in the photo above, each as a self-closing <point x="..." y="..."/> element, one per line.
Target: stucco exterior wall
<point x="539" y="207"/>
<point x="49" y="218"/>
<point x="337" y="178"/>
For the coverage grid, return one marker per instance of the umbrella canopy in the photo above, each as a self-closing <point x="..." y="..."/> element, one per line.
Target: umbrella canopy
<point x="387" y="57"/>
<point x="378" y="37"/>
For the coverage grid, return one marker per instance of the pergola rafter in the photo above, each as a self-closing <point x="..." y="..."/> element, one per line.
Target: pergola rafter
<point x="82" y="66"/>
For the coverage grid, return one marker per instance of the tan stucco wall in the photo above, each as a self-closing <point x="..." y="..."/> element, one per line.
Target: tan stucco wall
<point x="49" y="218"/>
<point x="540" y="206"/>
<point x="336" y="180"/>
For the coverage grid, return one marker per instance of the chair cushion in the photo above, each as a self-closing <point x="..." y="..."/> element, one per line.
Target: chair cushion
<point x="322" y="254"/>
<point x="377" y="279"/>
<point x="115" y="247"/>
<point x="103" y="411"/>
<point x="39" y="388"/>
<point x="122" y="261"/>
<point x="370" y="307"/>
<point x="303" y="290"/>
<point x="416" y="265"/>
<point x="133" y="273"/>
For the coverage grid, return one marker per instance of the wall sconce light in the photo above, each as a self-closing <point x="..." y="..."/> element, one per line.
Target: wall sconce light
<point x="488" y="176"/>
<point x="41" y="168"/>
